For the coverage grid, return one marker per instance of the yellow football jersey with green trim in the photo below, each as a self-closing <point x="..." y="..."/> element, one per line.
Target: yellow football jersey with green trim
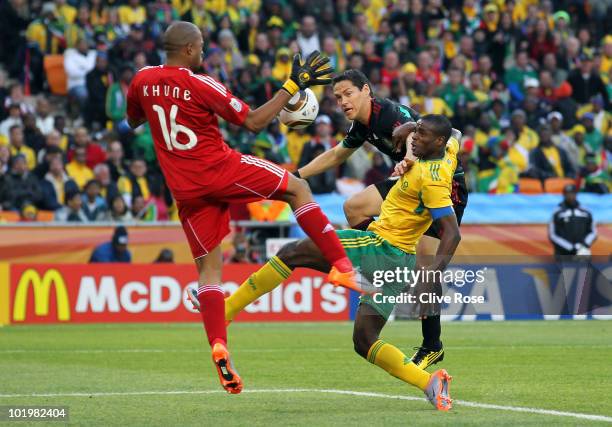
<point x="405" y="215"/>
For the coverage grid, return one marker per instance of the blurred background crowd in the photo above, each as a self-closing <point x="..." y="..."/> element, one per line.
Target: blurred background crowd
<point x="528" y="82"/>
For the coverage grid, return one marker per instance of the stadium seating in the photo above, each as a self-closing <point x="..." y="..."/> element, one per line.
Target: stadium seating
<point x="56" y="75"/>
<point x="9" y="216"/>
<point x="556" y="185"/>
<point x="530" y="186"/>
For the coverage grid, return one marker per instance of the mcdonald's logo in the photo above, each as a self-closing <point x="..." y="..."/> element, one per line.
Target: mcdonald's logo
<point x="42" y="294"/>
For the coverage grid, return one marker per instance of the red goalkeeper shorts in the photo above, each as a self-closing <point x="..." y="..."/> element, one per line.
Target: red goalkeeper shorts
<point x="205" y="219"/>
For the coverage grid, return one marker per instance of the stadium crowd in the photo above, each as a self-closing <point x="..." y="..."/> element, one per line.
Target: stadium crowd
<point x="528" y="82"/>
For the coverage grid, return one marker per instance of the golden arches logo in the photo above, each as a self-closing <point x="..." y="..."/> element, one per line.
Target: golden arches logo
<point x="42" y="293"/>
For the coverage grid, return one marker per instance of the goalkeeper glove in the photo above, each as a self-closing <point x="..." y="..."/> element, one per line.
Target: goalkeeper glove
<point x="314" y="71"/>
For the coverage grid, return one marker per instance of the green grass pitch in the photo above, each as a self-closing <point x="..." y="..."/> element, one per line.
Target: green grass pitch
<point x="160" y="374"/>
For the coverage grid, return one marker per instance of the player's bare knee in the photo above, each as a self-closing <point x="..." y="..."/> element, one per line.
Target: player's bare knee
<point x="298" y="186"/>
<point x="288" y="254"/>
<point x="303" y="188"/>
<point x="297" y="193"/>
<point x="363" y="341"/>
<point x="360" y="344"/>
<point x="351" y="208"/>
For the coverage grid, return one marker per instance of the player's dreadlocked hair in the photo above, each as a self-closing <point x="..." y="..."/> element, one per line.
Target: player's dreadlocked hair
<point x="356" y="77"/>
<point x="441" y="124"/>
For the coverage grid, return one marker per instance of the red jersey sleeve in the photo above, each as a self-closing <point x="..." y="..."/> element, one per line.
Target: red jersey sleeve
<point x="216" y="97"/>
<point x="134" y="109"/>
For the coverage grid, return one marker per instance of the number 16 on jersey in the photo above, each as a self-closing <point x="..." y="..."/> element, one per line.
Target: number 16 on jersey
<point x="171" y="134"/>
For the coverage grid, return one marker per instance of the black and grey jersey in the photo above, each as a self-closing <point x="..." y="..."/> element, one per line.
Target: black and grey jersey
<point x="386" y="115"/>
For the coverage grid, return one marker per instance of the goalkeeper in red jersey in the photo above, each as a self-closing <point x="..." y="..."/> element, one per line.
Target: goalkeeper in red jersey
<point x="205" y="175"/>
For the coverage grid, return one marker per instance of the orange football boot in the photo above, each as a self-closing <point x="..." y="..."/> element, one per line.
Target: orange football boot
<point x="347" y="280"/>
<point x="230" y="380"/>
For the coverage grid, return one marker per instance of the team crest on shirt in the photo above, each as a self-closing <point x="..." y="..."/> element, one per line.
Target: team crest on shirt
<point x="236" y="105"/>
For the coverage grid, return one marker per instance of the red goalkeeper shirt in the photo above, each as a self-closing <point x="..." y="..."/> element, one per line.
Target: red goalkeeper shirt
<point x="181" y="108"/>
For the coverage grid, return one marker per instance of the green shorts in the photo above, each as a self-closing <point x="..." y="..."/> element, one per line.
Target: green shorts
<point x="371" y="256"/>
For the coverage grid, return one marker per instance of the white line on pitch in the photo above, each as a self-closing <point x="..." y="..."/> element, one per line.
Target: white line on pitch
<point x="157" y="350"/>
<point x="539" y="411"/>
<point x="274" y="350"/>
<point x="154" y="350"/>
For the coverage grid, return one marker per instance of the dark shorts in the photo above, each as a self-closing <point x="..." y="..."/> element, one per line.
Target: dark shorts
<point x="459" y="196"/>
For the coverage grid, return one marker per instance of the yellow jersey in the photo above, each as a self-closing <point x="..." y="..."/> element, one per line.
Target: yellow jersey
<point x="132" y="15"/>
<point x="553" y="157"/>
<point x="28" y="153"/>
<point x="80" y="173"/>
<point x="405" y="214"/>
<point x="528" y="138"/>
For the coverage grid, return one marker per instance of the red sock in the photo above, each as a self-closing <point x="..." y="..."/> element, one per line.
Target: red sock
<point x="314" y="223"/>
<point x="212" y="308"/>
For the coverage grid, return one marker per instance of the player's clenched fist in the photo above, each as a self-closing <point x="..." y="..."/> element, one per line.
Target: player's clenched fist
<point x="312" y="72"/>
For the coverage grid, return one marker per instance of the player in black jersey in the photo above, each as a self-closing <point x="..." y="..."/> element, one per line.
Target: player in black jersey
<point x="386" y="125"/>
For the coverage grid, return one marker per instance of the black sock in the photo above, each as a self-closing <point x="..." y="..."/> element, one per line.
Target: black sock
<point x="431" y="329"/>
<point x="363" y="225"/>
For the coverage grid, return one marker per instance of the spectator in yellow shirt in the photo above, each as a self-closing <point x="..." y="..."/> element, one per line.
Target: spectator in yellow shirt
<point x="232" y="57"/>
<point x="48" y="31"/>
<point x="547" y="160"/>
<point x="77" y="169"/>
<point x="132" y="13"/>
<point x="199" y="15"/>
<point x="252" y="5"/>
<point x="282" y="65"/>
<point x="66" y="12"/>
<point x="606" y="55"/>
<point x="17" y="143"/>
<point x="296" y="138"/>
<point x="373" y="10"/>
<point x="525" y="136"/>
<point x="477" y="86"/>
<point x="485" y="130"/>
<point x="602" y="119"/>
<point x="518" y="156"/>
<point x="136" y="184"/>
<point x="216" y="7"/>
<point x="432" y="104"/>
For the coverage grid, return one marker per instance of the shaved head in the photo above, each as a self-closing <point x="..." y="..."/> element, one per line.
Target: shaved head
<point x="179" y="35"/>
<point x="183" y="44"/>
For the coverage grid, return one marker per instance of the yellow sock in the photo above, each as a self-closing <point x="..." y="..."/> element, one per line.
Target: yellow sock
<point x="261" y="282"/>
<point x="392" y="360"/>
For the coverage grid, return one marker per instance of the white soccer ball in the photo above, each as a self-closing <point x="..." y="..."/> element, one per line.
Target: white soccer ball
<point x="301" y="110"/>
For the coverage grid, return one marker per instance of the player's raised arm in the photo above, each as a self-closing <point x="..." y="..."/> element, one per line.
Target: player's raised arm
<point x="401" y="134"/>
<point x="330" y="159"/>
<point x="312" y="72"/>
